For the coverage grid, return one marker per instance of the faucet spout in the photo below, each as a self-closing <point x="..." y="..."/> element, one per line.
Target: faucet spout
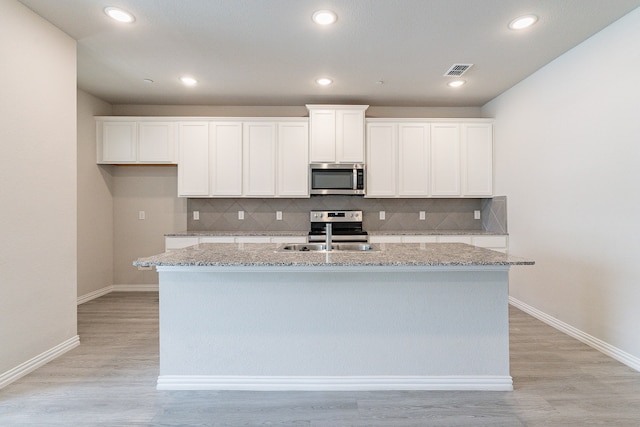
<point x="329" y="237"/>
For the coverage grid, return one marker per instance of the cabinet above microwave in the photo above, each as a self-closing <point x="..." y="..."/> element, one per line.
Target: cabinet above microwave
<point x="336" y="133"/>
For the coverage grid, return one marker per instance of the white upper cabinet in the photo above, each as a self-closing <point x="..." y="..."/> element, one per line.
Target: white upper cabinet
<point x="414" y="141"/>
<point x="293" y="159"/>
<point x="381" y="160"/>
<point x="118" y="142"/>
<point x="422" y="158"/>
<point x="259" y="166"/>
<point x="193" y="162"/>
<point x="242" y="158"/>
<point x="477" y="159"/>
<point x="445" y="159"/>
<point x="336" y="133"/>
<point x="135" y="141"/>
<point x="225" y="158"/>
<point x="156" y="142"/>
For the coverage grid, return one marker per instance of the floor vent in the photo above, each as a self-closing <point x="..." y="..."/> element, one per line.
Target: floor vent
<point x="457" y="70"/>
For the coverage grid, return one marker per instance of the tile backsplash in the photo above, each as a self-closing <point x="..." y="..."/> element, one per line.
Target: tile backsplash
<point x="400" y="214"/>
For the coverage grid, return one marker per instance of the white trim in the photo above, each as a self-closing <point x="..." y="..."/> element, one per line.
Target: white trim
<point x="334" y="383"/>
<point x="603" y="347"/>
<point x="95" y="294"/>
<point x="38" y="361"/>
<point x="144" y="287"/>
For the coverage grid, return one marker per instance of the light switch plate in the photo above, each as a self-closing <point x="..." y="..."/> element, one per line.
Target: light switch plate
<point x="278" y="215"/>
<point x="382" y="215"/>
<point x="141" y="215"/>
<point x="241" y="215"/>
<point x="196" y="215"/>
<point x="476" y="214"/>
<point x="423" y="215"/>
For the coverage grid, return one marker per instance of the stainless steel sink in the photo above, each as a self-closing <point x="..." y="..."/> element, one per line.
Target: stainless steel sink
<point x="316" y="247"/>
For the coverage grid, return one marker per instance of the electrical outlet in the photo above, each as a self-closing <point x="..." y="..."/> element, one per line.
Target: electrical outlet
<point x="278" y="215"/>
<point x="476" y="214"/>
<point x="382" y="215"/>
<point x="141" y="215"/>
<point x="240" y="215"/>
<point x="196" y="215"/>
<point x="423" y="215"/>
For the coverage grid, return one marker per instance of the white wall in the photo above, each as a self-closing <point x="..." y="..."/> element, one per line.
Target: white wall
<point x="567" y="147"/>
<point x="37" y="186"/>
<point x="95" y="202"/>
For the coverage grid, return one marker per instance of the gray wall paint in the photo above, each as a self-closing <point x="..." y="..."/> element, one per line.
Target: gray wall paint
<point x="37" y="186"/>
<point x="290" y="111"/>
<point x="152" y="189"/>
<point x="95" y="202"/>
<point x="566" y="146"/>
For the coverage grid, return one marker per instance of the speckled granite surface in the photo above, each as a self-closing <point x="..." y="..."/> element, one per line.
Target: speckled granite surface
<point x="261" y="254"/>
<point x="305" y="233"/>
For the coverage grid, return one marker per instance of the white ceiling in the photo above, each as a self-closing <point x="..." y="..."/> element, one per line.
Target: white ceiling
<point x="269" y="52"/>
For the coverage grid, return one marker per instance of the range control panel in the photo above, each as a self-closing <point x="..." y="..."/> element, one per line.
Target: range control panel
<point x="336" y="216"/>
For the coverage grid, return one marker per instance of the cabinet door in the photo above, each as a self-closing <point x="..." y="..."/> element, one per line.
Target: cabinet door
<point x="445" y="159"/>
<point x="119" y="142"/>
<point x="225" y="163"/>
<point x="477" y="159"/>
<point x="259" y="167"/>
<point x="293" y="159"/>
<point x="156" y="142"/>
<point x="413" y="159"/>
<point x="193" y="162"/>
<point x="322" y="135"/>
<point x="381" y="160"/>
<point x="349" y="136"/>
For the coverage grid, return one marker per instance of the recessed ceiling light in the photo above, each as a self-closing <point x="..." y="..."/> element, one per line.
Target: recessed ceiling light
<point x="523" y="22"/>
<point x="324" y="17"/>
<point x="324" y="81"/>
<point x="188" y="81"/>
<point x="119" y="14"/>
<point x="456" y="83"/>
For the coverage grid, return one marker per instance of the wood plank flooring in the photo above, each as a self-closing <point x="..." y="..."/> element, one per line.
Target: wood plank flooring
<point x="109" y="380"/>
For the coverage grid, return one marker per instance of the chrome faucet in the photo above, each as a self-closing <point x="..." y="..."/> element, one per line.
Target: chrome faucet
<point x="328" y="232"/>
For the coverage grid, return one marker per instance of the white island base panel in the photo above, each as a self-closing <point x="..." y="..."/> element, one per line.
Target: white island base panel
<point x="334" y="328"/>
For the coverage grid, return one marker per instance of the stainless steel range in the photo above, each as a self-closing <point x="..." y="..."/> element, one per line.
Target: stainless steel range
<point x="344" y="226"/>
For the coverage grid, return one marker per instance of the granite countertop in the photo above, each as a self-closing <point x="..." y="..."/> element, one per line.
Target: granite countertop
<point x="390" y="255"/>
<point x="213" y="233"/>
<point x="306" y="233"/>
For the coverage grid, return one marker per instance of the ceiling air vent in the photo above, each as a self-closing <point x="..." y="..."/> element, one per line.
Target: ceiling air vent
<point x="457" y="70"/>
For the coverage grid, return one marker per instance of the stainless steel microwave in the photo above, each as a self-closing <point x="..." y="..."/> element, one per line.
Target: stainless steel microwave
<point x="336" y="178"/>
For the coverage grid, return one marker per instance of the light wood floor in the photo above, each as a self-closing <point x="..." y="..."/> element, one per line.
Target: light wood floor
<point x="109" y="380"/>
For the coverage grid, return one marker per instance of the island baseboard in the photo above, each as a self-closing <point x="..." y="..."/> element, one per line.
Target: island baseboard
<point x="333" y="383"/>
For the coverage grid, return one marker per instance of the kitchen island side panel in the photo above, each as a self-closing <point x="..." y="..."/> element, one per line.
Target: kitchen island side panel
<point x="344" y="324"/>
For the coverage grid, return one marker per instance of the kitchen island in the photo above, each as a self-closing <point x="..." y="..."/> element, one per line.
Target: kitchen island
<point x="404" y="317"/>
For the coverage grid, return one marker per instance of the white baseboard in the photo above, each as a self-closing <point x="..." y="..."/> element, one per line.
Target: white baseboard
<point x="333" y="383"/>
<point x="95" y="294"/>
<point x="136" y="288"/>
<point x="38" y="361"/>
<point x="591" y="341"/>
<point x="117" y="288"/>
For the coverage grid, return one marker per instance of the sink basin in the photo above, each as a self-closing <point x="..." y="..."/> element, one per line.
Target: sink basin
<point x="315" y="247"/>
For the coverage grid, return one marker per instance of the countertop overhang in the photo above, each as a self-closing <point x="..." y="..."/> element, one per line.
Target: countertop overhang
<point x="388" y="255"/>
